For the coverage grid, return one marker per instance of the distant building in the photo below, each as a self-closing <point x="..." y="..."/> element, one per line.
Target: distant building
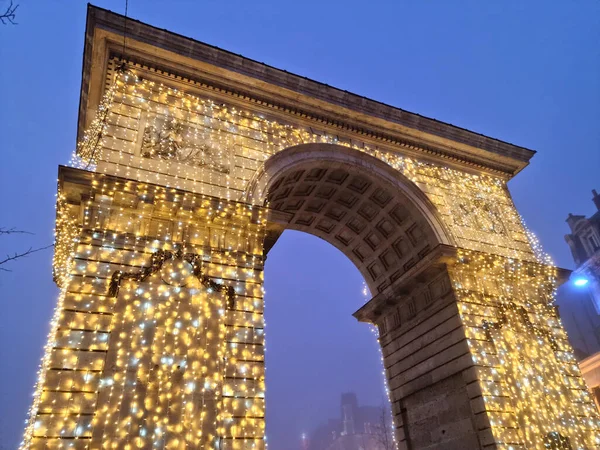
<point x="579" y="301"/>
<point x="360" y="441"/>
<point x="358" y="428"/>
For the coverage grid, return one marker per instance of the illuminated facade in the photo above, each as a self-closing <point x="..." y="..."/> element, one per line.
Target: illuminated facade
<point x="580" y="305"/>
<point x="191" y="162"/>
<point x="584" y="242"/>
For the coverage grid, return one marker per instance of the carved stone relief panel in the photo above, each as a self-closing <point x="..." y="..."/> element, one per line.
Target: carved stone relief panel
<point x="178" y="140"/>
<point x="477" y="213"/>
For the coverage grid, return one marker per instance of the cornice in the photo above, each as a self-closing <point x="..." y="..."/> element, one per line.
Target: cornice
<point x="434" y="262"/>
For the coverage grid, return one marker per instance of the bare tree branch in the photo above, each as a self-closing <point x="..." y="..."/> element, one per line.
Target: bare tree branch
<point x="21" y="255"/>
<point x="384" y="431"/>
<point x="13" y="230"/>
<point x="9" y="15"/>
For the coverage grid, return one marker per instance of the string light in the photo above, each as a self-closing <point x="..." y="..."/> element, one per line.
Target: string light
<point x="114" y="271"/>
<point x="375" y="331"/>
<point x="167" y="361"/>
<point x="531" y="385"/>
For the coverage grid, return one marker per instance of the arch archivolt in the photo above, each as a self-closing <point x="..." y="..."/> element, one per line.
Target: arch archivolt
<point x="379" y="219"/>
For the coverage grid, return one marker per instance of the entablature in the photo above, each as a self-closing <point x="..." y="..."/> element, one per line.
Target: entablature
<point x="221" y="75"/>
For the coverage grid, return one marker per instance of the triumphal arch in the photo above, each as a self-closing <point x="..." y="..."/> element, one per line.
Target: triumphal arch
<point x="191" y="162"/>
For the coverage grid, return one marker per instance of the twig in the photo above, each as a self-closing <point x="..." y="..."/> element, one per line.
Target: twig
<point x="13" y="230"/>
<point x="21" y="255"/>
<point x="9" y="15"/>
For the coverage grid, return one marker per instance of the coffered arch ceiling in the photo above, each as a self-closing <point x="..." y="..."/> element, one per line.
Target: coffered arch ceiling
<point x="365" y="208"/>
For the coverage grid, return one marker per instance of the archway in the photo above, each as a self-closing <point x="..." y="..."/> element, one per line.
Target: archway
<point x="376" y="217"/>
<point x="316" y="350"/>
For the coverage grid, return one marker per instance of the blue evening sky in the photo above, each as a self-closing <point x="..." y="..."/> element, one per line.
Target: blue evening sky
<point x="524" y="72"/>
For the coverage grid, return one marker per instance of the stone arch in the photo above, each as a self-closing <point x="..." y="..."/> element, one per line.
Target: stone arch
<point x="377" y="217"/>
<point x="462" y="372"/>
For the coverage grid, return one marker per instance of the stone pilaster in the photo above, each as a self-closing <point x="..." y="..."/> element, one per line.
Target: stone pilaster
<point x="159" y="333"/>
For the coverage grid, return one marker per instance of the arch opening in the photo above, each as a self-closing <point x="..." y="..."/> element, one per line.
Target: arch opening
<point x="381" y="221"/>
<point x="317" y="351"/>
